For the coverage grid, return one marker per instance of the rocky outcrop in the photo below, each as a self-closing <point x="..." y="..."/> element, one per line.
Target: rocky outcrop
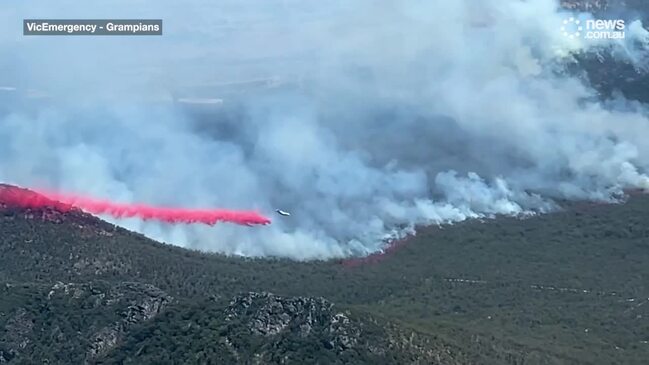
<point x="134" y="302"/>
<point x="149" y="303"/>
<point x="280" y="322"/>
<point x="268" y="315"/>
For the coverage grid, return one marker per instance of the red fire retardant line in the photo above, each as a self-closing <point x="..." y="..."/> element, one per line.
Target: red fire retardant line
<point x="65" y="202"/>
<point x="377" y="257"/>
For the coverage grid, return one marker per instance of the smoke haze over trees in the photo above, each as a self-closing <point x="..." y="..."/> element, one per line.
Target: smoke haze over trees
<point x="398" y="113"/>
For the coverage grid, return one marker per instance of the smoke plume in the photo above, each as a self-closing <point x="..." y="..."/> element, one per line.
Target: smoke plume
<point x="388" y="114"/>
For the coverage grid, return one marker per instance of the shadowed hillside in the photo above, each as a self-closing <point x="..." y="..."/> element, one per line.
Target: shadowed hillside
<point x="563" y="287"/>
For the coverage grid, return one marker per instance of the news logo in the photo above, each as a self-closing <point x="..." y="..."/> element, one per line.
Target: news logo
<point x="574" y="28"/>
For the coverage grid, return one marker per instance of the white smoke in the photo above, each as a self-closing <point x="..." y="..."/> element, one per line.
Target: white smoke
<point x="410" y="113"/>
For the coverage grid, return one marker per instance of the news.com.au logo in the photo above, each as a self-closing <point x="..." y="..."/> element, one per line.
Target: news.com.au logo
<point x="593" y="28"/>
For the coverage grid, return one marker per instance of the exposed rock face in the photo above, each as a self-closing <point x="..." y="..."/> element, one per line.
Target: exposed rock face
<point x="150" y="303"/>
<point x="133" y="302"/>
<point x="280" y="323"/>
<point x="266" y="314"/>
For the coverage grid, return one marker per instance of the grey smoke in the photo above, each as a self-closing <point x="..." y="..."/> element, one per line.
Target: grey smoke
<point x="408" y="113"/>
